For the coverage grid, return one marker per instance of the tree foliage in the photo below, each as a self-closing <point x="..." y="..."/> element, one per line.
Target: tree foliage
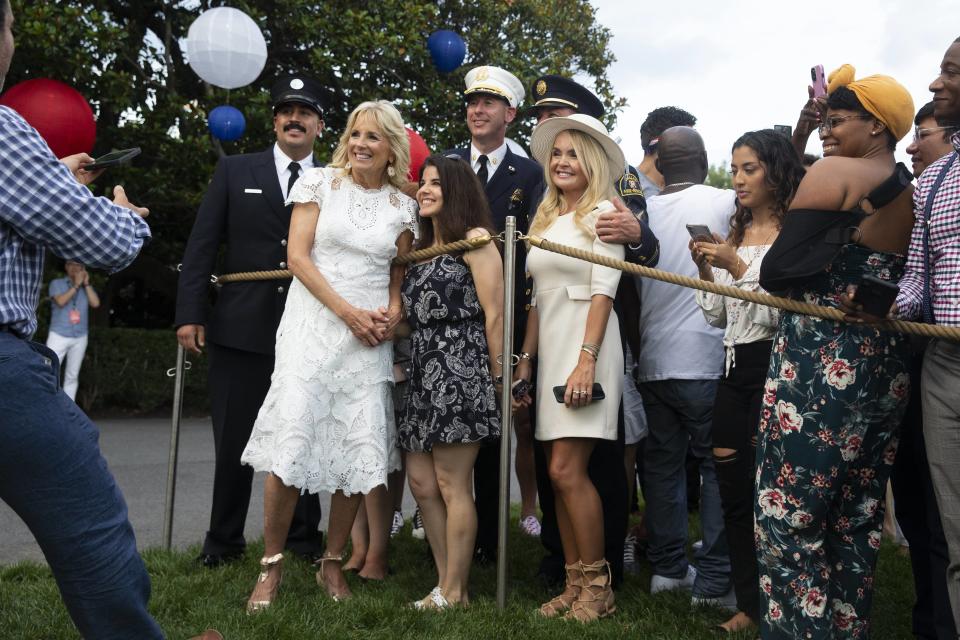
<point x="719" y="176"/>
<point x="128" y="59"/>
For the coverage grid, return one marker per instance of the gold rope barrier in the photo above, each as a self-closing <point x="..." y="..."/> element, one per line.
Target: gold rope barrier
<point x="407" y="258"/>
<point x="827" y="313"/>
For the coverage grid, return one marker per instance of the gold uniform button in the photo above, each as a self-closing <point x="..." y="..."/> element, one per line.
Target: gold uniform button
<point x="527" y="307"/>
<point x="283" y="265"/>
<point x="283" y="242"/>
<point x="280" y="289"/>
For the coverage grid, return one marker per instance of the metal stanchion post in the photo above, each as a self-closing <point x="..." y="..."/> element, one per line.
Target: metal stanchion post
<point x="509" y="258"/>
<point x="182" y="366"/>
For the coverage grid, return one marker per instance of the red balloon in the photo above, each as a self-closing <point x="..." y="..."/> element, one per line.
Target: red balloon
<point x="418" y="153"/>
<point x="58" y="111"/>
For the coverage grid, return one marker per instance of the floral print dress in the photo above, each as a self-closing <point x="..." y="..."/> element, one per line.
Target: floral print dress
<point x="834" y="397"/>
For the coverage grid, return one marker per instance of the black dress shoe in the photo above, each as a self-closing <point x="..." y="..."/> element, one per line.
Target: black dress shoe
<point x="214" y="560"/>
<point x="484" y="557"/>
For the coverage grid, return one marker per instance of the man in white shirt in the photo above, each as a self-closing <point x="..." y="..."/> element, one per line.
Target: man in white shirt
<point x="680" y="362"/>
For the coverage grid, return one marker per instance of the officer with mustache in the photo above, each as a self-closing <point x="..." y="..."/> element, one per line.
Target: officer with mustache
<point x="243" y="212"/>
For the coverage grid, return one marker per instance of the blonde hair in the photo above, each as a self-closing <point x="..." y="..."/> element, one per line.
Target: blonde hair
<point x="390" y="123"/>
<point x="594" y="164"/>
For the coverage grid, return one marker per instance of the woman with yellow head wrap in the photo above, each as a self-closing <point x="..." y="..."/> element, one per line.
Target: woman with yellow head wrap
<point x="836" y="392"/>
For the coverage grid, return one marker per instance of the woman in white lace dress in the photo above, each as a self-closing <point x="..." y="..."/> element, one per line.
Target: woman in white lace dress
<point x="327" y="422"/>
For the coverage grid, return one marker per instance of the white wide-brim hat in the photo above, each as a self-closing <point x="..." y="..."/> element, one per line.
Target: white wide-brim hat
<point x="541" y="142"/>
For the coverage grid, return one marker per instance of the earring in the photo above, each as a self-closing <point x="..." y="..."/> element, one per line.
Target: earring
<point x="347" y="166"/>
<point x="391" y="171"/>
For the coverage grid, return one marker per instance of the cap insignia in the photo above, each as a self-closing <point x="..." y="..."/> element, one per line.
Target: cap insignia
<point x="296" y="83"/>
<point x="541" y="88"/>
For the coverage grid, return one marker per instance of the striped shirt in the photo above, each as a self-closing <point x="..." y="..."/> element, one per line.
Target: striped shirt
<point x="42" y="206"/>
<point x="944" y="246"/>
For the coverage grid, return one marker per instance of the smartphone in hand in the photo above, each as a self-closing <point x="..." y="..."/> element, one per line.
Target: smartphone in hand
<point x="876" y="296"/>
<point x="113" y="159"/>
<point x="597" y="394"/>
<point x="701" y="233"/>
<point x="819" y="81"/>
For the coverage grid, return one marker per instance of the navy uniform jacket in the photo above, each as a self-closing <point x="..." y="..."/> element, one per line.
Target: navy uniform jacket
<point x="514" y="190"/>
<point x="646" y="254"/>
<point x="243" y="210"/>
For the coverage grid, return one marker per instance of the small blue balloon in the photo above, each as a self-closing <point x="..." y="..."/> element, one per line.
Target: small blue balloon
<point x="226" y="123"/>
<point x="447" y="50"/>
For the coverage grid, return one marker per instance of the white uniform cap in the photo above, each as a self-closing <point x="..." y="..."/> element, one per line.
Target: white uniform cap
<point x="495" y="81"/>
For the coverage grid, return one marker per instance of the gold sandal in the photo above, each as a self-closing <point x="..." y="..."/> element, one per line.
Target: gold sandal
<point x="570" y="594"/>
<point x="336" y="597"/>
<point x="596" y="595"/>
<point x="259" y="603"/>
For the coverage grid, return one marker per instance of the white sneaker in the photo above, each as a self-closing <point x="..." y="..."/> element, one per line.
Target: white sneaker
<point x="727" y="601"/>
<point x="630" y="564"/>
<point x="530" y="526"/>
<point x="696" y="546"/>
<point x="662" y="583"/>
<point x="417" y="530"/>
<point x="397" y="524"/>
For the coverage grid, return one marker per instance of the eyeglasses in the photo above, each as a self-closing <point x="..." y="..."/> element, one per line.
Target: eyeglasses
<point x="919" y="134"/>
<point x="827" y="125"/>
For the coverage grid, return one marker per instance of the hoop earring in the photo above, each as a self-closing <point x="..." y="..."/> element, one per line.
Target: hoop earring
<point x="347" y="166"/>
<point x="391" y="171"/>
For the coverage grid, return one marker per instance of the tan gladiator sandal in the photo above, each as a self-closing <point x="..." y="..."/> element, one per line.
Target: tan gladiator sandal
<point x="596" y="595"/>
<point x="571" y="592"/>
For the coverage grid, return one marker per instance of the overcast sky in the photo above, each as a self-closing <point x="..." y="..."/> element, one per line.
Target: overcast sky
<point x="740" y="65"/>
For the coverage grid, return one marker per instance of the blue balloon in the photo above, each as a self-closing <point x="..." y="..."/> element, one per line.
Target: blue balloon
<point x="226" y="123"/>
<point x="447" y="50"/>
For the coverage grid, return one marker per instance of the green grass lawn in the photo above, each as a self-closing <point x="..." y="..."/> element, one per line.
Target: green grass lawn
<point x="187" y="599"/>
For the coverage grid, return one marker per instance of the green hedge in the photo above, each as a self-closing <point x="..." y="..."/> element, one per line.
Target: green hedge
<point x="125" y="370"/>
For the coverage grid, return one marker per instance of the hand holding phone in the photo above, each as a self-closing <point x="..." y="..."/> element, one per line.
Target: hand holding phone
<point x="701" y="233"/>
<point x="113" y="159"/>
<point x="875" y="296"/>
<point x="819" y="80"/>
<point x="596" y="394"/>
<point x="520" y="389"/>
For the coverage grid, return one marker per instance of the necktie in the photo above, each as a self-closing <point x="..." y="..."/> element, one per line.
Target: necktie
<point x="294" y="168"/>
<point x="482" y="171"/>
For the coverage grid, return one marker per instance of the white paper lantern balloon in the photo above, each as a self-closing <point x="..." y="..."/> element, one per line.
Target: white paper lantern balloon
<point x="226" y="48"/>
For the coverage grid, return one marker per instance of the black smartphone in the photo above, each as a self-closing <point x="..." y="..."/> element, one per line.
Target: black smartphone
<point x="520" y="388"/>
<point x="876" y="295"/>
<point x="700" y="233"/>
<point x="598" y="393"/>
<point x="113" y="159"/>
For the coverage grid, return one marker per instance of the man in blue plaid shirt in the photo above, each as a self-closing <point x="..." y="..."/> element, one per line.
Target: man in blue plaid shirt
<point x="51" y="470"/>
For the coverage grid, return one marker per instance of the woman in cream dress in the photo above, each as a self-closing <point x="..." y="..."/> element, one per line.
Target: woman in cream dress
<point x="573" y="324"/>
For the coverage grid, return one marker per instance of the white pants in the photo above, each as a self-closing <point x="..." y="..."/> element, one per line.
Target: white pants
<point x="70" y="353"/>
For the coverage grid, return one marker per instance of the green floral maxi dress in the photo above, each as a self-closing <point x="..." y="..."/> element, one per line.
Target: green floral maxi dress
<point x="834" y="397"/>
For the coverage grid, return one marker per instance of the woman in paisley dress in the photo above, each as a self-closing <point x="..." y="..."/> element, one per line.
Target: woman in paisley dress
<point x="327" y="422"/>
<point x="835" y="392"/>
<point x="765" y="172"/>
<point x="454" y="304"/>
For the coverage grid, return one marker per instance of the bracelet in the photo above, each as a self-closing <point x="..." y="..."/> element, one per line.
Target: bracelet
<point x="498" y="379"/>
<point x="592" y="349"/>
<point x="523" y="355"/>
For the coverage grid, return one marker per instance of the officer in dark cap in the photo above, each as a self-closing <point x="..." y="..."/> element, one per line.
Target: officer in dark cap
<point x="243" y="212"/>
<point x="556" y="96"/>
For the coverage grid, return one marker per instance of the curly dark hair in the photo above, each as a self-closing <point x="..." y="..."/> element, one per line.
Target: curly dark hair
<point x="661" y="119"/>
<point x="782" y="173"/>
<point x="464" y="202"/>
<point x="843" y="98"/>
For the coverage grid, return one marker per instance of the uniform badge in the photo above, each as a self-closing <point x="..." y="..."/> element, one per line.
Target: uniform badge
<point x="630" y="185"/>
<point x="541" y="88"/>
<point x="516" y="199"/>
<point x="482" y="74"/>
<point x="296" y="83"/>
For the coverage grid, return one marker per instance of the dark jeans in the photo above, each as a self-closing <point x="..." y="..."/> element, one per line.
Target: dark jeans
<point x="53" y="475"/>
<point x="679" y="416"/>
